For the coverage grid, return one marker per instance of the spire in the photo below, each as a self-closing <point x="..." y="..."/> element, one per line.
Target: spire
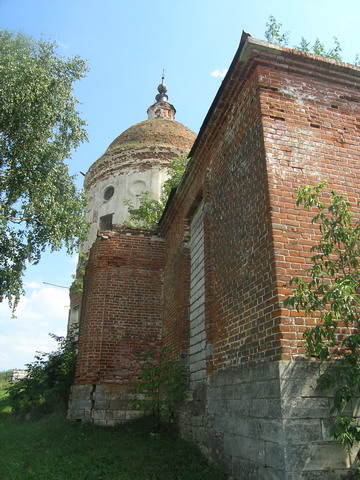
<point x="162" y="89"/>
<point x="161" y="109"/>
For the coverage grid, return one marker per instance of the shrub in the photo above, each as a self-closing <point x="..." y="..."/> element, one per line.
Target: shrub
<point x="46" y="387"/>
<point x="160" y="386"/>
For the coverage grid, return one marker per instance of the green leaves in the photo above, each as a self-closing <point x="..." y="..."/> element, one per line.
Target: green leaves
<point x="47" y="385"/>
<point x="330" y="292"/>
<point x="149" y="212"/>
<point x="273" y="34"/>
<point x="161" y="385"/>
<point x="346" y="431"/>
<point x="40" y="206"/>
<point x="319" y="48"/>
<point x="333" y="286"/>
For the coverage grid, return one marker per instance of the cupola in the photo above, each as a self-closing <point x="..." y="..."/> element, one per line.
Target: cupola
<point x="136" y="161"/>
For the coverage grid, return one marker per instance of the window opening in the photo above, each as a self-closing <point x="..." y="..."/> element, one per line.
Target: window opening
<point x="106" y="222"/>
<point x="108" y="193"/>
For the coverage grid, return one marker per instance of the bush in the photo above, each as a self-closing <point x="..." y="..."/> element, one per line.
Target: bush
<point x="46" y="388"/>
<point x="160" y="386"/>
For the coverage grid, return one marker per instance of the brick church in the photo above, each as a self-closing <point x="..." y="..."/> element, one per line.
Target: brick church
<point x="210" y="280"/>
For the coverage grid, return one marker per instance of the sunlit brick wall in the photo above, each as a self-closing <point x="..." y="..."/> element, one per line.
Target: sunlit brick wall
<point x="311" y="122"/>
<point x="283" y="125"/>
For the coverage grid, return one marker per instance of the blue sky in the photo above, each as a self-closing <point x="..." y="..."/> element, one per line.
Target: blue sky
<point x="127" y="44"/>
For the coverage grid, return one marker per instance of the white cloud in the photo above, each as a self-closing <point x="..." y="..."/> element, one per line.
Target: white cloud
<point x="219" y="73"/>
<point x="42" y="311"/>
<point x="64" y="45"/>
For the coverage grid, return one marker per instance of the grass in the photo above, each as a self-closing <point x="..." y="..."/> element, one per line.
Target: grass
<point x="5" y="378"/>
<point x="54" y="449"/>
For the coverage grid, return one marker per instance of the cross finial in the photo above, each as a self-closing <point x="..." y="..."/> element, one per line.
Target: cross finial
<point x="162" y="89"/>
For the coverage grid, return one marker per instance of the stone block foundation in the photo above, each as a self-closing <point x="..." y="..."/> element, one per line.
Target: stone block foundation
<point x="101" y="404"/>
<point x="266" y="422"/>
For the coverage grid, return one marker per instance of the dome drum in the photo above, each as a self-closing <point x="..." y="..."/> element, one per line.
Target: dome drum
<point x="126" y="161"/>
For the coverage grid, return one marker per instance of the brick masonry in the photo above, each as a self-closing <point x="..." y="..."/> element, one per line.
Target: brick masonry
<point x="120" y="320"/>
<point x="281" y="119"/>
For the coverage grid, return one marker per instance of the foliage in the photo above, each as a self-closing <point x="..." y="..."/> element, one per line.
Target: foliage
<point x="77" y="285"/>
<point x="175" y="171"/>
<point x="4" y="402"/>
<point x="273" y="34"/>
<point x="149" y="212"/>
<point x="53" y="449"/>
<point x="40" y="206"/>
<point x="5" y="378"/>
<point x="319" y="48"/>
<point x="46" y="387"/>
<point x="331" y="294"/>
<point x="160" y="386"/>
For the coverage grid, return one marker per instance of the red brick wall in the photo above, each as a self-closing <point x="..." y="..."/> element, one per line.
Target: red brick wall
<point x="177" y="290"/>
<point x="273" y="128"/>
<point x="311" y="122"/>
<point x="122" y="305"/>
<point x="239" y="247"/>
<point x="229" y="172"/>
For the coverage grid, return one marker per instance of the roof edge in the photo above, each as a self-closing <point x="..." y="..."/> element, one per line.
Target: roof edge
<point x="248" y="48"/>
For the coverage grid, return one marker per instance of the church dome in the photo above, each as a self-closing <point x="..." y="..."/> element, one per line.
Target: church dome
<point x="157" y="131"/>
<point x="134" y="163"/>
<point x="144" y="145"/>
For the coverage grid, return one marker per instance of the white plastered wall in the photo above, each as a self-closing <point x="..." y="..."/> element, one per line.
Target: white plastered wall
<point x="127" y="186"/>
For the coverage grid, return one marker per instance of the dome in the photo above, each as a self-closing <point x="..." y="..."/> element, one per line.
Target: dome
<point x="157" y="131"/>
<point x="153" y="142"/>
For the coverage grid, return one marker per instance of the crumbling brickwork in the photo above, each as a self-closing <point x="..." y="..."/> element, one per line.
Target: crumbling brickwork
<point x="211" y="283"/>
<point x="311" y="132"/>
<point x="281" y="120"/>
<point x="120" y="319"/>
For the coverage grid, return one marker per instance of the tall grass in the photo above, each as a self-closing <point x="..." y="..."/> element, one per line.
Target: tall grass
<point x="53" y="449"/>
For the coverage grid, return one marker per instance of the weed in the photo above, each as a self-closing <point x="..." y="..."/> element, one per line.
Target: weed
<point x="53" y="449"/>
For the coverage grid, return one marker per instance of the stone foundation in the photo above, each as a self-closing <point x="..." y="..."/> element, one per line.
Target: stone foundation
<point x="266" y="422"/>
<point x="100" y="404"/>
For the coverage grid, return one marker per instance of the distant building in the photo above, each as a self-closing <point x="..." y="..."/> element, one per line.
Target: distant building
<point x="210" y="280"/>
<point x="18" y="375"/>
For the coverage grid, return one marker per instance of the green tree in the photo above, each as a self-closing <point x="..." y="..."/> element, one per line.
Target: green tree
<point x="149" y="212"/>
<point x="319" y="48"/>
<point x="330" y="293"/>
<point x="40" y="205"/>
